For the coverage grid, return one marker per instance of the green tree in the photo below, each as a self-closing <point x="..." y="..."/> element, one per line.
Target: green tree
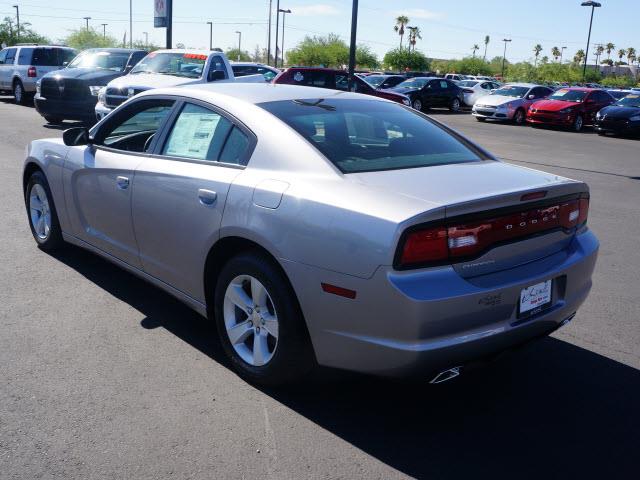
<point x="232" y="54"/>
<point x="544" y="60"/>
<point x="522" y="72"/>
<point x="9" y="33"/>
<point x="475" y="48"/>
<point x="487" y="39"/>
<point x="329" y="51"/>
<point x="631" y="55"/>
<point x="496" y="65"/>
<point x="536" y="51"/>
<point x="414" y="35"/>
<point x="470" y="66"/>
<point x="401" y="22"/>
<point x="610" y="48"/>
<point x="365" y="57"/>
<point x="621" y="53"/>
<point x="578" y="58"/>
<point x="83" y="39"/>
<point x="400" y="59"/>
<point x="555" y="52"/>
<point x="599" y="52"/>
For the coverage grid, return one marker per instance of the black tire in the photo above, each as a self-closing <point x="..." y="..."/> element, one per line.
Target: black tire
<point x="455" y="104"/>
<point x="519" y="117"/>
<point x="480" y="119"/>
<point x="19" y="95"/>
<point x="417" y="104"/>
<point x="578" y="124"/>
<point x="53" y="120"/>
<point x="52" y="241"/>
<point x="293" y="356"/>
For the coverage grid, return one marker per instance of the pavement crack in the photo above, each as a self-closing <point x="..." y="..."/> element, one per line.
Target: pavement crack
<point x="571" y="168"/>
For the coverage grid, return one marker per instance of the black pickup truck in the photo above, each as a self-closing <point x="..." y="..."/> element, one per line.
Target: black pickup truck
<point x="72" y="93"/>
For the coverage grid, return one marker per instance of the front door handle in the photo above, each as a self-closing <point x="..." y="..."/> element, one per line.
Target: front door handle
<point x="207" y="197"/>
<point x="123" y="182"/>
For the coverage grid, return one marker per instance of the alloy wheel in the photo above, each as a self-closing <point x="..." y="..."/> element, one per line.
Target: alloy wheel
<point x="455" y="105"/>
<point x="18" y="93"/>
<point x="577" y="124"/>
<point x="417" y="105"/>
<point x="39" y="211"/>
<point x="250" y="320"/>
<point x="519" y="117"/>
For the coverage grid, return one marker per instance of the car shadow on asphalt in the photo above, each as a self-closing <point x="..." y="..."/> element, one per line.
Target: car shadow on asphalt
<point x="551" y="410"/>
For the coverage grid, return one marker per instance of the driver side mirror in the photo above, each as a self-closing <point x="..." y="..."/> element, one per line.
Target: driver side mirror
<point x="76" y="136"/>
<point x="215" y="75"/>
<point x="531" y="97"/>
<point x="64" y="64"/>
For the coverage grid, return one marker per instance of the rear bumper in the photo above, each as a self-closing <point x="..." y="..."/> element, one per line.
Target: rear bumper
<point x="418" y="322"/>
<point x="82" y="110"/>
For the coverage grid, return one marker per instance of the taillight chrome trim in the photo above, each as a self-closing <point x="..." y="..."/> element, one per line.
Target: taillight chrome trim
<point x="447" y="223"/>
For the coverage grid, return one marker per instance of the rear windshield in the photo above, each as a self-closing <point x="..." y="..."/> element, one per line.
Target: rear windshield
<point x="51" y="57"/>
<point x="370" y="135"/>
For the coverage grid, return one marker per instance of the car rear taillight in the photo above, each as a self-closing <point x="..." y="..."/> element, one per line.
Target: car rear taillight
<point x="455" y="241"/>
<point x="31" y="72"/>
<point x="467" y="90"/>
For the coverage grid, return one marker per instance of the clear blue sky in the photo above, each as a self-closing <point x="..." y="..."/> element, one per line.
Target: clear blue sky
<point x="449" y="27"/>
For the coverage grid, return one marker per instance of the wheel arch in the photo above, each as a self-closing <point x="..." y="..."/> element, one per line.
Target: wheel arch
<point x="29" y="169"/>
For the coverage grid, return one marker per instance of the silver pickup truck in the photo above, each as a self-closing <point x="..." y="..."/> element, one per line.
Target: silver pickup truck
<point x="169" y="68"/>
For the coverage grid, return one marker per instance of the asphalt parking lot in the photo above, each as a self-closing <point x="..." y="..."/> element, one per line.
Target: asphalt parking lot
<point x="103" y="376"/>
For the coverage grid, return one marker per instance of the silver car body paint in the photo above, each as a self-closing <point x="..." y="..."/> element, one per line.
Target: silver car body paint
<point x="321" y="225"/>
<point x="504" y="107"/>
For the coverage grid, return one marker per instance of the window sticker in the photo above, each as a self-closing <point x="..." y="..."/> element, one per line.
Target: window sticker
<point x="192" y="134"/>
<point x="561" y="92"/>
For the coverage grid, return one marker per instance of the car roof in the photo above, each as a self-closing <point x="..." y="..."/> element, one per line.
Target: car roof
<point x="582" y="89"/>
<point x="198" y="51"/>
<point x="523" y="84"/>
<point x="320" y="69"/>
<point x="115" y="50"/>
<point x="255" y="93"/>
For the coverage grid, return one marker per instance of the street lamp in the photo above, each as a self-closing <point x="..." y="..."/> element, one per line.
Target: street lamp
<point x="269" y="36"/>
<point x="18" y="22"/>
<point x="87" y="20"/>
<point x="352" y="45"/>
<point x="504" y="55"/>
<point x="593" y="6"/>
<point x="562" y="49"/>
<point x="210" y="35"/>
<point x="275" y="55"/>
<point x="239" y="43"/>
<point x="284" y="13"/>
<point x="146" y="39"/>
<point x="104" y="30"/>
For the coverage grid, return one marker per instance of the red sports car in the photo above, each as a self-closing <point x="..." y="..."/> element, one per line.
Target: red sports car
<point x="572" y="107"/>
<point x="335" y="80"/>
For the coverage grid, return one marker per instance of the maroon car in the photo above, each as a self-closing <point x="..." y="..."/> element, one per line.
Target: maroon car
<point x="334" y="80"/>
<point x="572" y="107"/>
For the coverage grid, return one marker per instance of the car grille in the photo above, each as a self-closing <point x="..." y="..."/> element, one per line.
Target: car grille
<point x="486" y="107"/>
<point x="117" y="96"/>
<point x="545" y="112"/>
<point x="62" y="88"/>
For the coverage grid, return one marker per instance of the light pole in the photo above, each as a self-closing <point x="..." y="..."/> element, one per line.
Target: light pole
<point x="562" y="49"/>
<point x="504" y="55"/>
<point x="269" y="36"/>
<point x="18" y="22"/>
<point x="104" y="31"/>
<point x="275" y="55"/>
<point x="210" y="35"/>
<point x="593" y="6"/>
<point x="130" y="23"/>
<point x="87" y="20"/>
<point x="146" y="39"/>
<point x="352" y="46"/>
<point x="284" y="14"/>
<point x="239" y="43"/>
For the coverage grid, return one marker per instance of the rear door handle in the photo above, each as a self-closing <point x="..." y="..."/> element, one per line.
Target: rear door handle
<point x="207" y="197"/>
<point x="123" y="182"/>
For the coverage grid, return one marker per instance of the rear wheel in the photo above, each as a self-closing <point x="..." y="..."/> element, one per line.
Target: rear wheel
<point x="260" y="323"/>
<point x="417" y="104"/>
<point x="519" y="117"/>
<point x="19" y="94"/>
<point x="454" y="106"/>
<point x="41" y="211"/>
<point x="53" y="120"/>
<point x="578" y="123"/>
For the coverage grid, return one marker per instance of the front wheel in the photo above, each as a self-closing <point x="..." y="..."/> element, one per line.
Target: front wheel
<point x="578" y="123"/>
<point x="455" y="105"/>
<point x="260" y="323"/>
<point x="519" y="117"/>
<point x="41" y="211"/>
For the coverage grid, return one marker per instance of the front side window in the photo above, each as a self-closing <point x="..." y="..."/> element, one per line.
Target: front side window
<point x="198" y="133"/>
<point x="416" y="83"/>
<point x="188" y="65"/>
<point x="369" y="135"/>
<point x="133" y="129"/>
<point x="444" y="84"/>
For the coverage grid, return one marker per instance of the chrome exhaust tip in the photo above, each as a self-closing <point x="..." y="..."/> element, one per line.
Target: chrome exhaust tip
<point x="446" y="375"/>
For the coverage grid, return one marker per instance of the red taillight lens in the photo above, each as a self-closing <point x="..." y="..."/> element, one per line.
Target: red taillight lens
<point x="438" y="244"/>
<point x="31" y="72"/>
<point x="423" y="246"/>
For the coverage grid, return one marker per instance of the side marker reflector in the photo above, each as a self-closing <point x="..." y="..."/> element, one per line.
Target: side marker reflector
<point x="341" y="292"/>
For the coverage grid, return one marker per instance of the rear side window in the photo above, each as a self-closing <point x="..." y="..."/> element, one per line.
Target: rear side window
<point x="369" y="135"/>
<point x="313" y="79"/>
<point x="235" y="148"/>
<point x="24" y="57"/>
<point x="51" y="57"/>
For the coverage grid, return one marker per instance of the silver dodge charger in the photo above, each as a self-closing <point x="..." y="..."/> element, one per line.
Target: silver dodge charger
<point x="318" y="227"/>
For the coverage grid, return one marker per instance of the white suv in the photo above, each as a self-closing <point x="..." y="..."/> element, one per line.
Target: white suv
<point x="22" y="66"/>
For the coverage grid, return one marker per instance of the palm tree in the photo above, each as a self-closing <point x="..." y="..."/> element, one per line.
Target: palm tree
<point x="475" y="49"/>
<point x="414" y="35"/>
<point x="555" y="51"/>
<point x="610" y="48"/>
<point x="486" y="43"/>
<point x="621" y="53"/>
<point x="579" y="57"/>
<point x="401" y="22"/>
<point x="631" y="53"/>
<point x="536" y="51"/>
<point x="599" y="52"/>
<point x="544" y="60"/>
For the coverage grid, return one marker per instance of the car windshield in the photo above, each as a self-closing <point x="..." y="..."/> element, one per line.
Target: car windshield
<point x="116" y="61"/>
<point x="511" y="91"/>
<point x="566" y="95"/>
<point x="632" y="100"/>
<point x="370" y="135"/>
<point x="413" y="83"/>
<point x="468" y="83"/>
<point x="188" y="65"/>
<point x="375" y="80"/>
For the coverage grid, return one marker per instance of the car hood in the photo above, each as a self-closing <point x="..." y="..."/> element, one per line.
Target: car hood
<point x="554" y="105"/>
<point x="472" y="181"/>
<point x="146" y="81"/>
<point x="95" y="76"/>
<point x="614" y="111"/>
<point x="495" y="100"/>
